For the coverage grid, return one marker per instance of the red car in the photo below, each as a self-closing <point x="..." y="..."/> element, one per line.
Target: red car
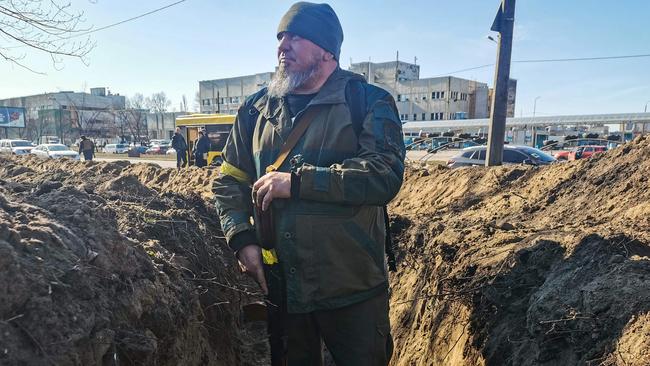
<point x="584" y="152"/>
<point x="157" y="149"/>
<point x="562" y="155"/>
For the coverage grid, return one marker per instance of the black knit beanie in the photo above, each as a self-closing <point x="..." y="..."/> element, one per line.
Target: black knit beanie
<point x="315" y="22"/>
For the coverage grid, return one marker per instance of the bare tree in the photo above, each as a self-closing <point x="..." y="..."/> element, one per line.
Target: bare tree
<point x="184" y="104"/>
<point x="82" y="119"/>
<point x="134" y="117"/>
<point x="197" y="102"/>
<point x="137" y="101"/>
<point x="45" y="26"/>
<point x="158" y="104"/>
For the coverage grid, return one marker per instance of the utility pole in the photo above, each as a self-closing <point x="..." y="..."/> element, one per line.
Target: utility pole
<point x="503" y="23"/>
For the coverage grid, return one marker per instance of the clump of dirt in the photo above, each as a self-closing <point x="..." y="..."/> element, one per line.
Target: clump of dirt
<point x="113" y="263"/>
<point x="520" y="265"/>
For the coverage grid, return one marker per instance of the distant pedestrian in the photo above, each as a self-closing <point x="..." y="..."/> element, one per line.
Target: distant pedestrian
<point x="87" y="148"/>
<point x="179" y="144"/>
<point x="201" y="148"/>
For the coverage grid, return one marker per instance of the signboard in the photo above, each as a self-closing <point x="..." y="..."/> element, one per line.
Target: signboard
<point x="12" y="117"/>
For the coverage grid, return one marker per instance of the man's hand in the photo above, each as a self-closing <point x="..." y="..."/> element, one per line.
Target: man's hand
<point x="250" y="262"/>
<point x="272" y="185"/>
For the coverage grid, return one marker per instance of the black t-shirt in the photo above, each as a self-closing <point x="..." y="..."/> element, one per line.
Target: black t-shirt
<point x="298" y="102"/>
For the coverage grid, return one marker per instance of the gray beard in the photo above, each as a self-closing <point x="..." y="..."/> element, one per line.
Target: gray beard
<point x="284" y="82"/>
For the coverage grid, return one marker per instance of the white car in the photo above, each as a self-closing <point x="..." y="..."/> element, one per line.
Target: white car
<point x="15" y="147"/>
<point x="54" y="151"/>
<point x="116" y="148"/>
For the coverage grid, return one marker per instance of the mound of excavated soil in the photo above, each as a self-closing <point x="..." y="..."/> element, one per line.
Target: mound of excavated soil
<point x="525" y="266"/>
<point x="113" y="263"/>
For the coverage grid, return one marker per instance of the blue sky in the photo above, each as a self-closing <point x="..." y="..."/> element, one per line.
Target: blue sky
<point x="196" y="40"/>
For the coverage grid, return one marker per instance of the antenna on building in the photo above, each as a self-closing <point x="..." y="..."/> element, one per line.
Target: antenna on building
<point x="415" y="61"/>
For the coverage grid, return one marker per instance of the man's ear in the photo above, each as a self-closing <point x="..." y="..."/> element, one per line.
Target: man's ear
<point x="328" y="56"/>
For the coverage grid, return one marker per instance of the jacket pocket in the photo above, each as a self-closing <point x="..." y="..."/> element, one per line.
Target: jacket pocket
<point x="344" y="251"/>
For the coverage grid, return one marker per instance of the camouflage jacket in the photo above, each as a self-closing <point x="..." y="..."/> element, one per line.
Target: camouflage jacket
<point x="330" y="239"/>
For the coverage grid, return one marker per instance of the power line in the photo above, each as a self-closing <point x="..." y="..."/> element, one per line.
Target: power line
<point x="550" y="60"/>
<point x="584" y="58"/>
<point x="113" y="24"/>
<point x="463" y="70"/>
<point x="126" y="20"/>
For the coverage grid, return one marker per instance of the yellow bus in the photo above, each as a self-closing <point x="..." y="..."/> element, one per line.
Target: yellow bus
<point x="217" y="127"/>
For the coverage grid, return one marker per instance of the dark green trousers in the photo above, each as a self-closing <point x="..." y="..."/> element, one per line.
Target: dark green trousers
<point x="356" y="335"/>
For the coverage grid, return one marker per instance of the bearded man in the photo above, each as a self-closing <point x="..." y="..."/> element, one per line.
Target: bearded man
<point x="322" y="266"/>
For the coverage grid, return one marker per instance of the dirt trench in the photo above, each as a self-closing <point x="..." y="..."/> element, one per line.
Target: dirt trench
<point x="117" y="264"/>
<point x="113" y="263"/>
<point x="525" y="266"/>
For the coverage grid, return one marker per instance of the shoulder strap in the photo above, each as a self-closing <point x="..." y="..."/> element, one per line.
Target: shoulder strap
<point x="294" y="136"/>
<point x="355" y="97"/>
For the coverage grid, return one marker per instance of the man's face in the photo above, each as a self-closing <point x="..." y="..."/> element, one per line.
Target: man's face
<point x="300" y="62"/>
<point x="297" y="54"/>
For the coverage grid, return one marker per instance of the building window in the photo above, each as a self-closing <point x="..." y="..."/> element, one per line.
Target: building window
<point x="424" y="116"/>
<point x="415" y="117"/>
<point x="442" y="95"/>
<point x="432" y="114"/>
<point x="424" y="97"/>
<point x="399" y="97"/>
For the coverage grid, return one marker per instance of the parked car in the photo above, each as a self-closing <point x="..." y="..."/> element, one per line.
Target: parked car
<point x="54" y="151"/>
<point x="170" y="151"/>
<point x="157" y="149"/>
<point x="562" y="155"/>
<point x="116" y="148"/>
<point x="584" y="152"/>
<point x="512" y="154"/>
<point x="140" y="149"/>
<point x="15" y="147"/>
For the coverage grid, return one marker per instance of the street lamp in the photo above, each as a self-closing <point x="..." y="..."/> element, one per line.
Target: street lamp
<point x="535" y="105"/>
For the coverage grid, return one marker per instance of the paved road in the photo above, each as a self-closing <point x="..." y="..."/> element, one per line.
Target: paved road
<point x="162" y="162"/>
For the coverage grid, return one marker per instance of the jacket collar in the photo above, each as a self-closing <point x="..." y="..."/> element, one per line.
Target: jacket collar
<point x="332" y="92"/>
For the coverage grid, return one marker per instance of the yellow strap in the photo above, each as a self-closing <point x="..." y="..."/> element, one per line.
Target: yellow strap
<point x="233" y="171"/>
<point x="295" y="135"/>
<point x="269" y="256"/>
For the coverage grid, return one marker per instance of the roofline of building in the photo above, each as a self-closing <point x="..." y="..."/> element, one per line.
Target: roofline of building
<point x="238" y="77"/>
<point x="580" y="119"/>
<point x="63" y="92"/>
